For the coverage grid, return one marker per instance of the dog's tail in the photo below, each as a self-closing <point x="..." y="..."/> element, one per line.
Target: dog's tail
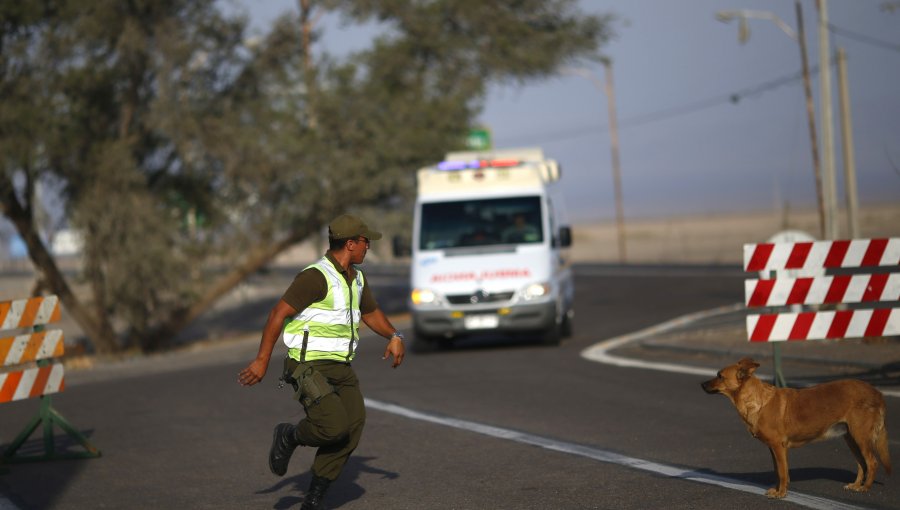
<point x="881" y="443"/>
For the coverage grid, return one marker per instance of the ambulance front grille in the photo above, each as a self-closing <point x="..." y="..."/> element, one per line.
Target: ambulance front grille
<point x="479" y="298"/>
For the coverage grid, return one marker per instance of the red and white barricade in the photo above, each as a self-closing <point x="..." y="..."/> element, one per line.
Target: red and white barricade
<point x="866" y="303"/>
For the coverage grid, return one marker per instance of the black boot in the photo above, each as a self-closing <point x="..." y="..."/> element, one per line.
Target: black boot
<point x="284" y="442"/>
<point x="316" y="494"/>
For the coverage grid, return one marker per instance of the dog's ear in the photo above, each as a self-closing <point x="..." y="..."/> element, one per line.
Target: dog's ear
<point x="747" y="367"/>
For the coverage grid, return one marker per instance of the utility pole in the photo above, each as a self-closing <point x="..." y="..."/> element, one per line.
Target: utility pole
<point x="811" y="116"/>
<point x="847" y="144"/>
<point x="609" y="90"/>
<point x="828" y="177"/>
<point x="614" y="146"/>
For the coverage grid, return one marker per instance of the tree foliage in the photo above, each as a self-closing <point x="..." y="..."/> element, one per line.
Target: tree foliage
<point x="189" y="157"/>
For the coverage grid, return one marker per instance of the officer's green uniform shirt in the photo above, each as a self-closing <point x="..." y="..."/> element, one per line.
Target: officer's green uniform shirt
<point x="310" y="286"/>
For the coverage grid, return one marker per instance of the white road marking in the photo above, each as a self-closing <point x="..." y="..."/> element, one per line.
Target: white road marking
<point x="599" y="352"/>
<point x="604" y="456"/>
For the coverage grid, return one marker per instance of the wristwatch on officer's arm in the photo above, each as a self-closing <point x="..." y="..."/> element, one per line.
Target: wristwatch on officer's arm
<point x="396" y="334"/>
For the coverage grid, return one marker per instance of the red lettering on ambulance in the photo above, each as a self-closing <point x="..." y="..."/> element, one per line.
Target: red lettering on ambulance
<point x="453" y="277"/>
<point x="495" y="274"/>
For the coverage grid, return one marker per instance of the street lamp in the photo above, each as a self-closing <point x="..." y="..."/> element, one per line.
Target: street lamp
<point x="744" y="28"/>
<point x="743" y="35"/>
<point x="609" y="90"/>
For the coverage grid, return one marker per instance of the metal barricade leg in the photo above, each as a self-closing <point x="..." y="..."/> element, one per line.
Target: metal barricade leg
<point x="48" y="417"/>
<point x="778" y="378"/>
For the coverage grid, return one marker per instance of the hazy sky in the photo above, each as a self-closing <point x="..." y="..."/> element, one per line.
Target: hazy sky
<point x="685" y="148"/>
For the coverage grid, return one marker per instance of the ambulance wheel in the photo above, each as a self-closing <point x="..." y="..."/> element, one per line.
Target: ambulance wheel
<point x="566" y="327"/>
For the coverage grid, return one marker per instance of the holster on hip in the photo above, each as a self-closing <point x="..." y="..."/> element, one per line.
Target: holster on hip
<point x="310" y="386"/>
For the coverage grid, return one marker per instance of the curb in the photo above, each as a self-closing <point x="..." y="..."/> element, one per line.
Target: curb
<point x="600" y="352"/>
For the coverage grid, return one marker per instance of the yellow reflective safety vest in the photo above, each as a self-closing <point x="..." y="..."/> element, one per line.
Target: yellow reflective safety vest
<point x="331" y="326"/>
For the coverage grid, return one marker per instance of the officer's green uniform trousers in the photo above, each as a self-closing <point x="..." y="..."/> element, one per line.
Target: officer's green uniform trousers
<point x="334" y="425"/>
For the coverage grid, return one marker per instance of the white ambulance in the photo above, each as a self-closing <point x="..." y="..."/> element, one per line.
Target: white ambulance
<point x="487" y="251"/>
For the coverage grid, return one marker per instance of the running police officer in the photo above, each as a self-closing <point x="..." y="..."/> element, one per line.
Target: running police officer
<point x="319" y="317"/>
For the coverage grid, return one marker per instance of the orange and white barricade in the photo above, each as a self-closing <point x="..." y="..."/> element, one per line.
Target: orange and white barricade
<point x="31" y="368"/>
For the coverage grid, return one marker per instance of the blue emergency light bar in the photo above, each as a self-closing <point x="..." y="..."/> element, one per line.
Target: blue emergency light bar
<point x="477" y="163"/>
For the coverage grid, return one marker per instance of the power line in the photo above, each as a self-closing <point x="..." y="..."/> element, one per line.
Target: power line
<point x="735" y="98"/>
<point x="676" y="111"/>
<point x="863" y="38"/>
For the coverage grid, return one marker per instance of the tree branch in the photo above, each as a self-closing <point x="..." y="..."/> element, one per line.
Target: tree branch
<point x="97" y="328"/>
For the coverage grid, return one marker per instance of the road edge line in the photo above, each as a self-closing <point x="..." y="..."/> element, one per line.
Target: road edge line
<point x="606" y="456"/>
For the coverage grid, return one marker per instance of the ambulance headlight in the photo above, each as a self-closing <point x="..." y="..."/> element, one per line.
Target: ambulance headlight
<point x="423" y="297"/>
<point x="536" y="291"/>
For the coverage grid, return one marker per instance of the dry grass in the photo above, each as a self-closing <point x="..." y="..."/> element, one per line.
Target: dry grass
<point x="712" y="239"/>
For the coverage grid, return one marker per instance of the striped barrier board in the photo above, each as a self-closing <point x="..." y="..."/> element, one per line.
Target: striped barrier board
<point x="822" y="254"/>
<point x="32" y="382"/>
<point x="780" y="327"/>
<point x="823" y="290"/>
<point x="871" y="294"/>
<point x="31" y="347"/>
<point x="23" y="313"/>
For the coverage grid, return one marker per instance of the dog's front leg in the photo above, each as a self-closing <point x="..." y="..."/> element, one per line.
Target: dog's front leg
<point x="779" y="458"/>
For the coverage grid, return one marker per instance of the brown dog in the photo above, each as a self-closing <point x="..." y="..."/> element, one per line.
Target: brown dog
<point x="785" y="418"/>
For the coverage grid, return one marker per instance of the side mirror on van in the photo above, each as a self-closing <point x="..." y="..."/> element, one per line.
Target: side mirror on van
<point x="401" y="247"/>
<point x="565" y="237"/>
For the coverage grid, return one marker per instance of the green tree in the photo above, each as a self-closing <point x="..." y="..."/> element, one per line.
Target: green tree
<point x="111" y="99"/>
<point x="189" y="159"/>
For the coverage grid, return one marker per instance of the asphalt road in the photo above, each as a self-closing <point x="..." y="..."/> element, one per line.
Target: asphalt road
<point x="490" y="424"/>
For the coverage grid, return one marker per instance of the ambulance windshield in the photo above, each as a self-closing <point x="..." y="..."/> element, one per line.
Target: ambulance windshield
<point x="486" y="222"/>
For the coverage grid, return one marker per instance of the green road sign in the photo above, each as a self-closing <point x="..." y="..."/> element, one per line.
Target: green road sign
<point x="478" y="139"/>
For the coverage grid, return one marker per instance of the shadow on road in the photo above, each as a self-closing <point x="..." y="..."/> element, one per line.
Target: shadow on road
<point x="344" y="490"/>
<point x="39" y="484"/>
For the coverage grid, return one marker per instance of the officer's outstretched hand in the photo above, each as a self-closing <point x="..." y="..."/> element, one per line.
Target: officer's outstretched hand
<point x="395" y="348"/>
<point x="254" y="372"/>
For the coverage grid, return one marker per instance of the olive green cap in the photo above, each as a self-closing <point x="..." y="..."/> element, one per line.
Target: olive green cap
<point x="347" y="226"/>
